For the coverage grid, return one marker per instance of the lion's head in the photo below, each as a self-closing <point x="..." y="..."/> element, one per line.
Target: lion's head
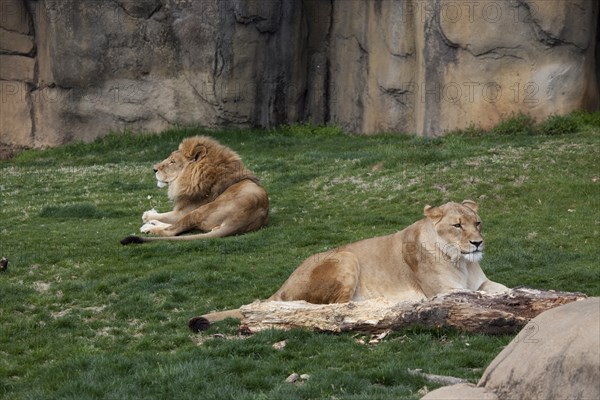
<point x="168" y="170"/>
<point x="200" y="168"/>
<point x="458" y="227"/>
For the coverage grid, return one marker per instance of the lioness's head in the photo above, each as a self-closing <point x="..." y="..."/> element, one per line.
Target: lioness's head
<point x="459" y="229"/>
<point x="190" y="151"/>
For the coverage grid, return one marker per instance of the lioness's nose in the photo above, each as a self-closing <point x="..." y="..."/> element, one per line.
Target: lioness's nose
<point x="155" y="170"/>
<point x="476" y="243"/>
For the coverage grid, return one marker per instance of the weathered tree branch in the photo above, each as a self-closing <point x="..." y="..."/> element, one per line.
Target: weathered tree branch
<point x="437" y="379"/>
<point x="466" y="311"/>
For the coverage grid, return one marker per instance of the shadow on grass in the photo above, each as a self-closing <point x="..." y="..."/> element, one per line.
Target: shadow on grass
<point x="79" y="211"/>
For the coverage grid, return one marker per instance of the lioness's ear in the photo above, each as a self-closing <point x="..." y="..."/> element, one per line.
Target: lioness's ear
<point x="196" y="153"/>
<point x="433" y="213"/>
<point x="470" y="204"/>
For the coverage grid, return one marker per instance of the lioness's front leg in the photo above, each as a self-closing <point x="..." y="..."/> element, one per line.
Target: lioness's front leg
<point x="492" y="287"/>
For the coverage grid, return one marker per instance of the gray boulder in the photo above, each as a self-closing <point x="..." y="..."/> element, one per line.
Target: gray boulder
<point x="556" y="356"/>
<point x="461" y="391"/>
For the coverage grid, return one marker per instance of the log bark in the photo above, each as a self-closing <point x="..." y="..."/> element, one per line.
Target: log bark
<point x="467" y="311"/>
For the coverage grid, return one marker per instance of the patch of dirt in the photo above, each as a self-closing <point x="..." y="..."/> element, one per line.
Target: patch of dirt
<point x="41" y="287"/>
<point x="60" y="314"/>
<point x="199" y="340"/>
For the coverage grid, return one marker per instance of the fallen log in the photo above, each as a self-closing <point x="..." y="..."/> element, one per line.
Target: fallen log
<point x="467" y="311"/>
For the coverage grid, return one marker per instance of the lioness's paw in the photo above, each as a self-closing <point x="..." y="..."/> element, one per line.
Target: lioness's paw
<point x="149" y="215"/>
<point x="153" y="226"/>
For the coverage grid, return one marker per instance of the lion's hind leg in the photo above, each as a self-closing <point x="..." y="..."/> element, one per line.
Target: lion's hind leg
<point x="323" y="279"/>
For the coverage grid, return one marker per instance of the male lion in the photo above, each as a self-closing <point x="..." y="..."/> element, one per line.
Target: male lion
<point x="212" y="191"/>
<point x="437" y="254"/>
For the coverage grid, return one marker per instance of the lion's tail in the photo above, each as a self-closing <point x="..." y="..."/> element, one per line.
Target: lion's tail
<point x="203" y="322"/>
<point x="221" y="232"/>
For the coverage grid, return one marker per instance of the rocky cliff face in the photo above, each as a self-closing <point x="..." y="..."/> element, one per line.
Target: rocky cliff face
<point x="77" y="70"/>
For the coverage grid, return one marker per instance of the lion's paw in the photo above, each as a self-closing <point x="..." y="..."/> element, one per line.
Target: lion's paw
<point x="149" y="215"/>
<point x="153" y="226"/>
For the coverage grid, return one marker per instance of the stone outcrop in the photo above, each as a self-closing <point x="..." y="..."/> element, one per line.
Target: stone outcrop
<point x="556" y="356"/>
<point x="461" y="391"/>
<point x="77" y="70"/>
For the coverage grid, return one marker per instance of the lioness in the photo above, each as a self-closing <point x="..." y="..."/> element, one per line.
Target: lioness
<point x="212" y="192"/>
<point x="437" y="254"/>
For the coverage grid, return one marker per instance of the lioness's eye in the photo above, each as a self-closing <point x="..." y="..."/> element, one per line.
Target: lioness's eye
<point x="457" y="225"/>
<point x="478" y="223"/>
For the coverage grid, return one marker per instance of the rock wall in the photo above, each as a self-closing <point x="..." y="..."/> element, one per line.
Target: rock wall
<point x="17" y="64"/>
<point x="76" y="70"/>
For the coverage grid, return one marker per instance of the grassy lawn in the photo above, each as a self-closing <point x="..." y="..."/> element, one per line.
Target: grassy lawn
<point x="82" y="317"/>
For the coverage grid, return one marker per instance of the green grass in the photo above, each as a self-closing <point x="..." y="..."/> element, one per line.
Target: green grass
<point x="82" y="317"/>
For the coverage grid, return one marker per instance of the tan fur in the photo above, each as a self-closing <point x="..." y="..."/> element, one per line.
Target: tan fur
<point x="437" y="254"/>
<point x="212" y="191"/>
